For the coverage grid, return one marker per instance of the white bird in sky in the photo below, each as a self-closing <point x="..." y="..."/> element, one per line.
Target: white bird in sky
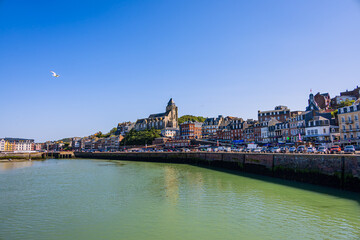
<point x="54" y="74"/>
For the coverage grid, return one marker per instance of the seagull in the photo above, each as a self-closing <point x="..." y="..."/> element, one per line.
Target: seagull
<point x="54" y="74"/>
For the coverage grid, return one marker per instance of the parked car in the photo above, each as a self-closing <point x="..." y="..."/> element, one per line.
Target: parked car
<point x="311" y="150"/>
<point x="323" y="150"/>
<point x="264" y="150"/>
<point x="248" y="150"/>
<point x="275" y="150"/>
<point x="257" y="150"/>
<point x="292" y="150"/>
<point x="349" y="149"/>
<point x="284" y="150"/>
<point x="301" y="149"/>
<point x="335" y="149"/>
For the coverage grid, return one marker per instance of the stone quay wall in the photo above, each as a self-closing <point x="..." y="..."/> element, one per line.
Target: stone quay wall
<point x="21" y="156"/>
<point x="340" y="171"/>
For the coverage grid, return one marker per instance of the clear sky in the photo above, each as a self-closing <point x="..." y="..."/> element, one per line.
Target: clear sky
<point x="123" y="60"/>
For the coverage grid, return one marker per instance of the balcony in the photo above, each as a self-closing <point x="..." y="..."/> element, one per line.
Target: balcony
<point x="349" y="122"/>
<point x="350" y="130"/>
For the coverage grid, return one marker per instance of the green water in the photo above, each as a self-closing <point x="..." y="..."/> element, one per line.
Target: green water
<point x="97" y="199"/>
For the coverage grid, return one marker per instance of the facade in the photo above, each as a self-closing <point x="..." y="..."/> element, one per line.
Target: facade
<point x="280" y="113"/>
<point x="191" y="130"/>
<point x="265" y="134"/>
<point x="211" y="125"/>
<point x="177" y="143"/>
<point x="349" y="124"/>
<point x="323" y="100"/>
<point x="321" y="130"/>
<point x="168" y="119"/>
<point x="170" y="132"/>
<point x="339" y="99"/>
<point x="16" y="145"/>
<point x="353" y="93"/>
<point x="297" y="128"/>
<point x="124" y="128"/>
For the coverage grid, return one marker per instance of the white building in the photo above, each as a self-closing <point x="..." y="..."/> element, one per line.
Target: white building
<point x="170" y="132"/>
<point x="320" y="130"/>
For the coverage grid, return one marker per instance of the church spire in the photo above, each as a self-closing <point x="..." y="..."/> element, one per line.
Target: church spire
<point x="171" y="102"/>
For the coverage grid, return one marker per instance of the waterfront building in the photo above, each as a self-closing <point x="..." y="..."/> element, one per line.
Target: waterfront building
<point x="236" y="128"/>
<point x="348" y="118"/>
<point x="280" y="113"/>
<point x="265" y="133"/>
<point x="175" y="143"/>
<point x="321" y="130"/>
<point x="191" y="130"/>
<point x="297" y="127"/>
<point x="16" y="145"/>
<point x="168" y="119"/>
<point x="211" y="125"/>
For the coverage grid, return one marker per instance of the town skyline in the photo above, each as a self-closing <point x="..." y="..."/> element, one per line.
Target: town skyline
<point x="119" y="60"/>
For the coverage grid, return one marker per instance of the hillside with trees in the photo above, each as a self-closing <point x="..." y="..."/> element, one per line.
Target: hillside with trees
<point x="191" y="118"/>
<point x="140" y="137"/>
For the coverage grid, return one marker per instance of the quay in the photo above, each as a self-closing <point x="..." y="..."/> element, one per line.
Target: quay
<point x="35" y="155"/>
<point x="339" y="171"/>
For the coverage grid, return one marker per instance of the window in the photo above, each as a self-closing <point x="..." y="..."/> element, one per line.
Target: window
<point x="324" y="130"/>
<point x="356" y="117"/>
<point x="345" y="137"/>
<point x="349" y="118"/>
<point x="342" y="119"/>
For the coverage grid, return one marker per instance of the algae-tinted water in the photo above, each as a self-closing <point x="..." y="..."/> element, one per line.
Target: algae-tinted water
<point x="97" y="199"/>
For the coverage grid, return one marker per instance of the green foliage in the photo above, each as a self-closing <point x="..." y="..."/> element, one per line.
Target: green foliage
<point x="192" y="118"/>
<point x="334" y="114"/>
<point x="140" y="137"/>
<point x="65" y="140"/>
<point x="346" y="103"/>
<point x="101" y="135"/>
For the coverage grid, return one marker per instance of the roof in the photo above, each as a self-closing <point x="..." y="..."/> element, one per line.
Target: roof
<point x="16" y="139"/>
<point x="156" y="115"/>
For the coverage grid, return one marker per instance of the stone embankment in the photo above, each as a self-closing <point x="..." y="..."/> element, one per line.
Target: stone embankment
<point x="341" y="171"/>
<point x="20" y="156"/>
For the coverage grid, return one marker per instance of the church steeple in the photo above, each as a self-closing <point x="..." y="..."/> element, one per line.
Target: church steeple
<point x="171" y="102"/>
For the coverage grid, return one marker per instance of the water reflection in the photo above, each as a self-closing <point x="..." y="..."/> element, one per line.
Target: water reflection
<point x="171" y="184"/>
<point x="5" y="166"/>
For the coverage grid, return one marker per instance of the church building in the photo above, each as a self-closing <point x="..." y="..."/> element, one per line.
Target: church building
<point x="168" y="119"/>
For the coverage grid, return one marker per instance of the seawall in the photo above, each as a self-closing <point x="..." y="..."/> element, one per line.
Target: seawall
<point x="21" y="156"/>
<point x="340" y="171"/>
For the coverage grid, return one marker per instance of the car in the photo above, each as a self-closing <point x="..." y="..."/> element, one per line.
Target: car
<point x="284" y="149"/>
<point x="323" y="150"/>
<point x="292" y="150"/>
<point x="257" y="150"/>
<point x="335" y="149"/>
<point x="311" y="150"/>
<point x="350" y="149"/>
<point x="301" y="149"/>
<point x="264" y="150"/>
<point x="275" y="150"/>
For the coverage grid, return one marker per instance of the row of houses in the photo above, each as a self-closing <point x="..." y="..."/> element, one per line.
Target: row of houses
<point x="317" y="124"/>
<point x="17" y="145"/>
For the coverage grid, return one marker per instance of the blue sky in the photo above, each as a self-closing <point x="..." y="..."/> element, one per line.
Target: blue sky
<point x="123" y="60"/>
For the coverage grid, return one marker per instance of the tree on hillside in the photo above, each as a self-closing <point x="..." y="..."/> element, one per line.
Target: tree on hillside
<point x="191" y="118"/>
<point x="140" y="137"/>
